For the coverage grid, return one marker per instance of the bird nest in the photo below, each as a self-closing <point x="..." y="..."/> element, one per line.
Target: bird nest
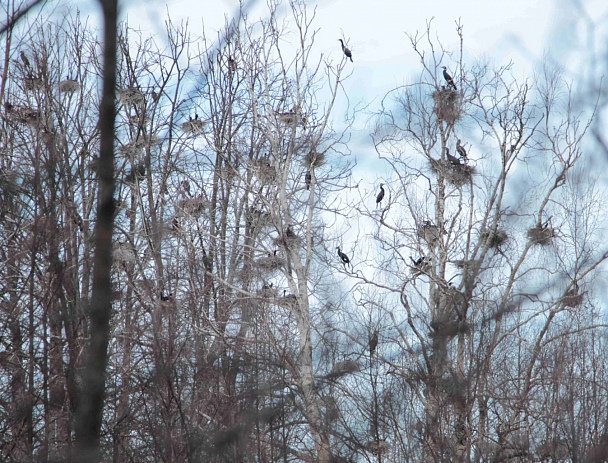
<point x="193" y="206"/>
<point x="292" y="118"/>
<point x="23" y="114"/>
<point x="447" y="105"/>
<point x="572" y="298"/>
<point x="69" y="86"/>
<point x="133" y="148"/>
<point x="457" y="174"/>
<point x="32" y="83"/>
<point x="460" y="175"/>
<point x="343" y="368"/>
<point x="494" y="239"/>
<point x="429" y="232"/>
<point x="193" y="127"/>
<point x="314" y="159"/>
<point x="264" y="170"/>
<point x="131" y="96"/>
<point x="541" y="235"/>
<point x="257" y="218"/>
<point x="270" y="263"/>
<point x="287" y="239"/>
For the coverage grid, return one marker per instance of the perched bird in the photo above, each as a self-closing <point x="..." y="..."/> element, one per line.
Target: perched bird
<point x="460" y="149"/>
<point x="344" y="257"/>
<point x="346" y="51"/>
<point x="418" y="262"/>
<point x="308" y="179"/>
<point x="231" y="64"/>
<point x="373" y="342"/>
<point x="26" y="62"/>
<point x="448" y="78"/>
<point x="380" y="195"/>
<point x="453" y="159"/>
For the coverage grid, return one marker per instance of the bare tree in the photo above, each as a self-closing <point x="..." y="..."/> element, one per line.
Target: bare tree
<point x="483" y="240"/>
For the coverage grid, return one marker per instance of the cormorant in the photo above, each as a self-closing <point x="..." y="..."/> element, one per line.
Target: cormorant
<point x="380" y="196"/>
<point x="346" y="51"/>
<point x="308" y="179"/>
<point x="344" y="257"/>
<point x="231" y="64"/>
<point x="419" y="262"/>
<point x="289" y="233"/>
<point x="373" y="343"/>
<point x="453" y="159"/>
<point x="26" y="62"/>
<point x="460" y="149"/>
<point x="448" y="78"/>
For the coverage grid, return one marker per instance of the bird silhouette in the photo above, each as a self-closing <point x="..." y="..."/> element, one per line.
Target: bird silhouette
<point x="453" y="159"/>
<point x="343" y="257"/>
<point x="380" y="195"/>
<point x="448" y="78"/>
<point x="346" y="51"/>
<point x="373" y="343"/>
<point x="26" y="62"/>
<point x="460" y="149"/>
<point x="308" y="179"/>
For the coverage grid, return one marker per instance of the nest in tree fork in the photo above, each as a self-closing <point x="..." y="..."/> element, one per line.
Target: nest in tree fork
<point x="344" y="368"/>
<point x="429" y="232"/>
<point x="572" y="298"/>
<point x="314" y="159"/>
<point x="69" y="86"/>
<point x="540" y="235"/>
<point x="447" y="105"/>
<point x="193" y="127"/>
<point x="31" y="83"/>
<point x="494" y="239"/>
<point x="131" y="96"/>
<point x="457" y="175"/>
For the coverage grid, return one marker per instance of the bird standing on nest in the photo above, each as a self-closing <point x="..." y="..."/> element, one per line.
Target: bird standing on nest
<point x="453" y="159"/>
<point x="448" y="78"/>
<point x="346" y="51"/>
<point x="380" y="196"/>
<point x="460" y="150"/>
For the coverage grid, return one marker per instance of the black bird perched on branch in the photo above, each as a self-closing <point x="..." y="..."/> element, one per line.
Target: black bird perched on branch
<point x="448" y="78"/>
<point x="453" y="159"/>
<point x="373" y="343"/>
<point x="344" y="257"/>
<point x="26" y="62"/>
<point x="460" y="149"/>
<point x="346" y="51"/>
<point x="308" y="180"/>
<point x="380" y="196"/>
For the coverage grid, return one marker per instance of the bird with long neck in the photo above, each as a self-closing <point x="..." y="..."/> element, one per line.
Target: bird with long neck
<point x="460" y="150"/>
<point x="342" y="256"/>
<point x="453" y="159"/>
<point x="380" y="196"/>
<point x="346" y="51"/>
<point x="448" y="78"/>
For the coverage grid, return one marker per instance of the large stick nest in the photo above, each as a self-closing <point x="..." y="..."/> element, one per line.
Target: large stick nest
<point x="457" y="174"/>
<point x="447" y="105"/>
<point x="540" y="235"/>
<point x="494" y="239"/>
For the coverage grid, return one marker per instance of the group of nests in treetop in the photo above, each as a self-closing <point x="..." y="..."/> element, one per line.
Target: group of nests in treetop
<point x="33" y="77"/>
